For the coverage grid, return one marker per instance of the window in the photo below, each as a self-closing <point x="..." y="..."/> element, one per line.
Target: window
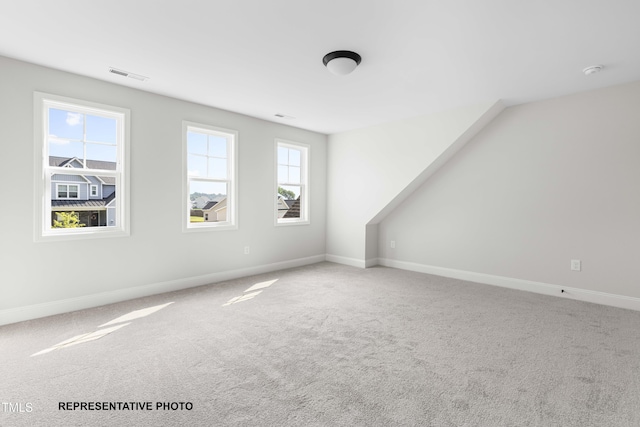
<point x="292" y="183"/>
<point x="209" y="177"/>
<point x="67" y="191"/>
<point x="79" y="144"/>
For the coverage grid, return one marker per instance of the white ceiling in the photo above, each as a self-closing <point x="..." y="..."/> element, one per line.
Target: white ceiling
<point x="262" y="57"/>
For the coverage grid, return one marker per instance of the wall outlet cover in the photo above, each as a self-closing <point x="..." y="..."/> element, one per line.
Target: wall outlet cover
<point x="576" y="265"/>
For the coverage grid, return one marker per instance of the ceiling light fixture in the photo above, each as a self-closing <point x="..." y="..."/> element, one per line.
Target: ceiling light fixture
<point x="592" y="69"/>
<point x="341" y="62"/>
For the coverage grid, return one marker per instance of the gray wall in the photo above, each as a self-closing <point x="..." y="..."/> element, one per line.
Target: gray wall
<point x="369" y="168"/>
<point x="157" y="250"/>
<point x="542" y="184"/>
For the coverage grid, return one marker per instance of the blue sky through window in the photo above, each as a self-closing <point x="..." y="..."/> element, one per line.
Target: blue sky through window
<point x="71" y="133"/>
<point x="289" y="171"/>
<point x="207" y="158"/>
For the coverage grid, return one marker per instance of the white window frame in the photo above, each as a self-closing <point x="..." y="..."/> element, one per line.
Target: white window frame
<point x="93" y="190"/>
<point x="305" y="156"/>
<point x="68" y="191"/>
<point x="232" y="179"/>
<point x="43" y="231"/>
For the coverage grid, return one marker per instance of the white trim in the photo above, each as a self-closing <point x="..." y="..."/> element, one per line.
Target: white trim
<point x="305" y="187"/>
<point x="596" y="297"/>
<point x="231" y="181"/>
<point x="35" y="311"/>
<point x="371" y="262"/>
<point x="353" y="262"/>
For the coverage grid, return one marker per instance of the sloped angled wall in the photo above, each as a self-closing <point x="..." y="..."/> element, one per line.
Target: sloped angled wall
<point x="372" y="170"/>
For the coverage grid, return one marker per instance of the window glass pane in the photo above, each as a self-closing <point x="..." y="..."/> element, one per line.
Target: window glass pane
<point x="294" y="175"/>
<point x="283" y="174"/>
<point x="105" y="153"/>
<point x="283" y="156"/>
<point x="66" y="124"/>
<point x="217" y="168"/>
<point x="294" y="157"/>
<point x="217" y="146"/>
<point x="196" y="143"/>
<point x="291" y="191"/>
<point x="65" y="148"/>
<point x="207" y="198"/>
<point x="101" y="215"/>
<point x="292" y="201"/>
<point x="81" y="201"/>
<point x="197" y="165"/>
<point x="101" y="129"/>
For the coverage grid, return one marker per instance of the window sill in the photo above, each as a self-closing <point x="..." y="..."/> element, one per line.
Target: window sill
<point x="281" y="223"/>
<point x="208" y="227"/>
<point x="101" y="233"/>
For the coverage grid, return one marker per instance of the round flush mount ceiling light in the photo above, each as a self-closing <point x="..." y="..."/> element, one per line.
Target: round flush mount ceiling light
<point x="592" y="69"/>
<point x="341" y="62"/>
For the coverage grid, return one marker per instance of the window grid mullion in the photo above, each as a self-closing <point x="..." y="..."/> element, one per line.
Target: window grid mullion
<point x="84" y="141"/>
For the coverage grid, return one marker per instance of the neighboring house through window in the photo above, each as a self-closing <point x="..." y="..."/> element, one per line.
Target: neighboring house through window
<point x="292" y="183"/>
<point x="84" y="166"/>
<point x="210" y="177"/>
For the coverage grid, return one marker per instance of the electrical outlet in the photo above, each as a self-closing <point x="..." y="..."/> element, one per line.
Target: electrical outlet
<point x="393" y="244"/>
<point x="246" y="250"/>
<point x="576" y="265"/>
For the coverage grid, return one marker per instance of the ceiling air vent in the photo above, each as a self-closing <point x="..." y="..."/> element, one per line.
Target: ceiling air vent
<point x="127" y="74"/>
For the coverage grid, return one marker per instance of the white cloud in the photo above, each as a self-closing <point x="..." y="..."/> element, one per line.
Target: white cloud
<point x="55" y="140"/>
<point x="74" y="119"/>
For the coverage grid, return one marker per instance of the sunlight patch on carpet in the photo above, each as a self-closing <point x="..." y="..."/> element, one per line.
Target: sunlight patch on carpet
<point x="79" y="339"/>
<point x="241" y="298"/>
<point x="136" y="314"/>
<point x="250" y="293"/>
<point x="261" y="285"/>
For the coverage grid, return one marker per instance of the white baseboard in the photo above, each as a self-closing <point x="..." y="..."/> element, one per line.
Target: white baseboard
<point x="353" y="262"/>
<point x="596" y="297"/>
<point x="36" y="311"/>
<point x="371" y="262"/>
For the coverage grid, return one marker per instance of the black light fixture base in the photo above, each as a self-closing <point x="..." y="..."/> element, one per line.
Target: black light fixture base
<point x="341" y="54"/>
